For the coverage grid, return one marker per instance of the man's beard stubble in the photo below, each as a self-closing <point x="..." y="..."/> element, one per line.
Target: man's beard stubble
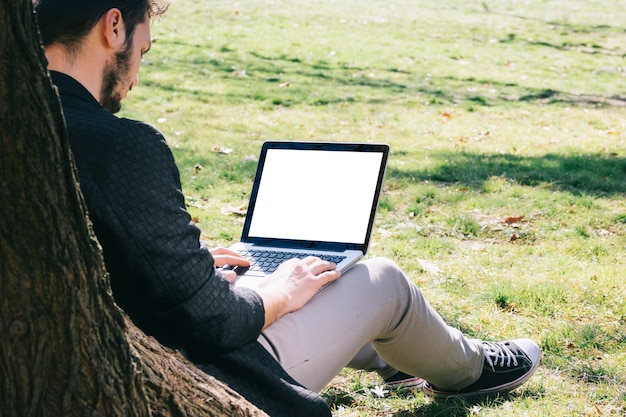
<point x="110" y="95"/>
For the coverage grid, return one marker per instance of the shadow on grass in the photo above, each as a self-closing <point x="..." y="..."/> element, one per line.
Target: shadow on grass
<point x="456" y="407"/>
<point x="451" y="407"/>
<point x="593" y="175"/>
<point x="590" y="174"/>
<point x="330" y="82"/>
<point x="564" y="27"/>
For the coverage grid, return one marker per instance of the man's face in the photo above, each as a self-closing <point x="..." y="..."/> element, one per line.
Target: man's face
<point x="121" y="74"/>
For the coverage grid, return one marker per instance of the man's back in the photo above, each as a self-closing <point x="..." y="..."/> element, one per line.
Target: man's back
<point x="160" y="274"/>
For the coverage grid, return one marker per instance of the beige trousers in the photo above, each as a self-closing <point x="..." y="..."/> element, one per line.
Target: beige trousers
<point x="372" y="305"/>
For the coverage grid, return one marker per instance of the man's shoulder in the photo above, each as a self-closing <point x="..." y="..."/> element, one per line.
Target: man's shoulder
<point x="94" y="123"/>
<point x="97" y="137"/>
<point x="86" y="125"/>
<point x="85" y="116"/>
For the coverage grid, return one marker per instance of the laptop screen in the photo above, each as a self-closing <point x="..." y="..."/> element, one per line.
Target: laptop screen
<point x="322" y="194"/>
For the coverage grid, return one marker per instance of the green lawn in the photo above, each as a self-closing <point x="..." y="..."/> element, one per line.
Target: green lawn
<point x="504" y="197"/>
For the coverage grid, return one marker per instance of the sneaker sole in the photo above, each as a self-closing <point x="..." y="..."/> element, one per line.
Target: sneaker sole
<point x="412" y="384"/>
<point x="501" y="389"/>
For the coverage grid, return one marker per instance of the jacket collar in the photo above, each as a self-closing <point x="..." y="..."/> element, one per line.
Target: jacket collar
<point x="68" y="86"/>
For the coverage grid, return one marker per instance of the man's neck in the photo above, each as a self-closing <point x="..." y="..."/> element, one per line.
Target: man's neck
<point x="83" y="69"/>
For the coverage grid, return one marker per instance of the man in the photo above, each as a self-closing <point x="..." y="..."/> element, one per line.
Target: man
<point x="277" y="345"/>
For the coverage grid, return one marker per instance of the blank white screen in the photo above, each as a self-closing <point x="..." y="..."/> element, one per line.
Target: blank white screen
<point x="316" y="195"/>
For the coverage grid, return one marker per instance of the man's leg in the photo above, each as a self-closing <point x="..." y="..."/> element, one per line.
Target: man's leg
<point x="368" y="359"/>
<point x="373" y="302"/>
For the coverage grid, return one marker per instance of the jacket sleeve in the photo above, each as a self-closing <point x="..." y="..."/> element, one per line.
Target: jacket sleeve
<point x="143" y="206"/>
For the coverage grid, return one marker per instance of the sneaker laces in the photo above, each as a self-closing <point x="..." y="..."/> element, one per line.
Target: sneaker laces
<point x="495" y="352"/>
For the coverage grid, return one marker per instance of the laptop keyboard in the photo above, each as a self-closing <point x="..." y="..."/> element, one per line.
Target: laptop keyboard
<point x="267" y="261"/>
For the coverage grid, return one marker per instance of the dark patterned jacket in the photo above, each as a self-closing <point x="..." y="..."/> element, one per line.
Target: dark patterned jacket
<point x="161" y="274"/>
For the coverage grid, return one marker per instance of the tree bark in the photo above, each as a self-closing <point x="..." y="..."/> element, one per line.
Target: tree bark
<point x="66" y="349"/>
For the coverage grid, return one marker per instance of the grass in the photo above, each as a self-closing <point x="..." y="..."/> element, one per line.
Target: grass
<point x="508" y="169"/>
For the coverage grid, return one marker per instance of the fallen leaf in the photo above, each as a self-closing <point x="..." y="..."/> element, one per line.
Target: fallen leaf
<point x="284" y="85"/>
<point x="234" y="211"/>
<point x="220" y="149"/>
<point x="513" y="219"/>
<point x="429" y="266"/>
<point x="473" y="245"/>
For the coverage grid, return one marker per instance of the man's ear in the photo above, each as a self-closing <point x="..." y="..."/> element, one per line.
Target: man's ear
<point x="114" y="28"/>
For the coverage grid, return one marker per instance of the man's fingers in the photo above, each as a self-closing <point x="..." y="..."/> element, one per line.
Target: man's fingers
<point x="231" y="276"/>
<point x="314" y="264"/>
<point x="220" y="252"/>
<point x="319" y="265"/>
<point x="233" y="260"/>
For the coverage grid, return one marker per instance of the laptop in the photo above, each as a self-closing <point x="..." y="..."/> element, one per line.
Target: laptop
<point x="311" y="198"/>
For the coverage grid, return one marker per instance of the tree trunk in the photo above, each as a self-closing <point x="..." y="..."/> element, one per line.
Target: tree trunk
<point x="66" y="349"/>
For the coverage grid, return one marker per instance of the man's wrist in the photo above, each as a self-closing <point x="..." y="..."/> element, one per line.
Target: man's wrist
<point x="275" y="304"/>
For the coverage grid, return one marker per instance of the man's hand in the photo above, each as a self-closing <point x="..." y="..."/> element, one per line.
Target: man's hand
<point x="223" y="256"/>
<point x="293" y="284"/>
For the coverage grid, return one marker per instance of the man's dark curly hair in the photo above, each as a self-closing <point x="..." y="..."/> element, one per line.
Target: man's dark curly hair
<point x="66" y="22"/>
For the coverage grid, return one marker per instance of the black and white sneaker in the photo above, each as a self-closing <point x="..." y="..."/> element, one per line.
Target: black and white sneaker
<point x="507" y="365"/>
<point x="403" y="382"/>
